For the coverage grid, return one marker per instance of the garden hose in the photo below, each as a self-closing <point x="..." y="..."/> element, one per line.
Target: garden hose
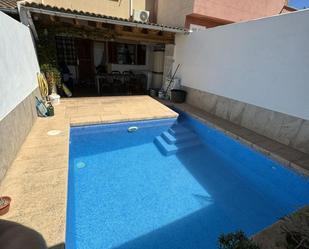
<point x="43" y="85"/>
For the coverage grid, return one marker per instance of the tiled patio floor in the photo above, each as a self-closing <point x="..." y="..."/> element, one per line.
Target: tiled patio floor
<point x="37" y="180"/>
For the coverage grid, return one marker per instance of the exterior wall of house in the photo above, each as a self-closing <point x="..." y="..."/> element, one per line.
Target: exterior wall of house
<point x="211" y="13"/>
<point x="238" y="10"/>
<point x="174" y="12"/>
<point x="253" y="73"/>
<point x="203" y="21"/>
<point x="106" y="7"/>
<point x="18" y="87"/>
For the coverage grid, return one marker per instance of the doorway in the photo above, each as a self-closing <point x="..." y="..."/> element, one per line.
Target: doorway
<point x="84" y="50"/>
<point x="85" y="67"/>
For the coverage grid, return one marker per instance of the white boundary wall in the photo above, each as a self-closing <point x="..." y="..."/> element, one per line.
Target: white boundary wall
<point x="18" y="64"/>
<point x="263" y="62"/>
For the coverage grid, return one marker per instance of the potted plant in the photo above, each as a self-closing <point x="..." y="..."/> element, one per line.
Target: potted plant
<point x="5" y="202"/>
<point x="52" y="76"/>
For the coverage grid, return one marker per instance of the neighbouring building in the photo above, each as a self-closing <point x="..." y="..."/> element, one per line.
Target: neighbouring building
<point x="116" y="8"/>
<point x="211" y="13"/>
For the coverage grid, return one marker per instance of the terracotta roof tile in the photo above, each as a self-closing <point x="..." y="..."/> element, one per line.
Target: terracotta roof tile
<point x="8" y="4"/>
<point x="79" y="12"/>
<point x="290" y="8"/>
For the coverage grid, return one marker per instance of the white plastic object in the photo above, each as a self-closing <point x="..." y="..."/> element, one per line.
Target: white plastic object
<point x="161" y="95"/>
<point x="54" y="132"/>
<point x="54" y="99"/>
<point x="132" y="129"/>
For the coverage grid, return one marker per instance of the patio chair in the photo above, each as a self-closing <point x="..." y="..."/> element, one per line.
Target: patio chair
<point x="129" y="82"/>
<point x="118" y="85"/>
<point x="141" y="84"/>
<point x="106" y="84"/>
<point x="116" y="72"/>
<point x="127" y="73"/>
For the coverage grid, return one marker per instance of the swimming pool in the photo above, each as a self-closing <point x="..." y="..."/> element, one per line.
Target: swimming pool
<point x="171" y="184"/>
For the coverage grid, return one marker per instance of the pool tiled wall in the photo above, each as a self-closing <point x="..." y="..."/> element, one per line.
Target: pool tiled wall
<point x="283" y="128"/>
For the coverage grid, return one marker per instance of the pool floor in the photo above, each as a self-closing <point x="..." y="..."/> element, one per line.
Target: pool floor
<point x="125" y="194"/>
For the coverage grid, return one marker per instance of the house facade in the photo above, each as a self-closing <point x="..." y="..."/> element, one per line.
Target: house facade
<point x="110" y="49"/>
<point x="209" y="13"/>
<point x="116" y="8"/>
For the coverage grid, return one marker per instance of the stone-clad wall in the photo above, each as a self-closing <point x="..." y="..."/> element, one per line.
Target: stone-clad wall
<point x="14" y="129"/>
<point x="286" y="129"/>
<point x="18" y="86"/>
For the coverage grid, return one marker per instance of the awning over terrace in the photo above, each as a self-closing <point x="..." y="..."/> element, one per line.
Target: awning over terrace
<point x="127" y="29"/>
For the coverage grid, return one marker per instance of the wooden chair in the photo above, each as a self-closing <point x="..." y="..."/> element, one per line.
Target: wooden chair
<point x="118" y="86"/>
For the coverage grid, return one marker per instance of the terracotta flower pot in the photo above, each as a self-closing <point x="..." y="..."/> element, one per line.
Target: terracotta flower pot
<point x="4" y="208"/>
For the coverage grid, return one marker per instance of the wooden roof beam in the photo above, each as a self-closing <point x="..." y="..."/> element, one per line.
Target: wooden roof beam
<point x="53" y="19"/>
<point x="76" y="22"/>
<point x="145" y="38"/>
<point x="98" y="25"/>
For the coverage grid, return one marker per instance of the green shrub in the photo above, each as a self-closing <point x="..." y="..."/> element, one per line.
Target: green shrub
<point x="52" y="76"/>
<point x="237" y="240"/>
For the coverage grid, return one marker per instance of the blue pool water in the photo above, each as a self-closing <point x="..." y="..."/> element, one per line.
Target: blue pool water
<point x="136" y="191"/>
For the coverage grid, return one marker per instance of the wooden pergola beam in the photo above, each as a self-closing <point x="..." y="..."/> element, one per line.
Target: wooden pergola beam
<point x="153" y="32"/>
<point x="54" y="19"/>
<point x="98" y="25"/>
<point x="144" y="40"/>
<point x="76" y="22"/>
<point x="135" y="34"/>
<point x="146" y="37"/>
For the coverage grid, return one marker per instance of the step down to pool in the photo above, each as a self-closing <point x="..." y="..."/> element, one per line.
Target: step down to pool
<point x="176" y="139"/>
<point x="178" y="129"/>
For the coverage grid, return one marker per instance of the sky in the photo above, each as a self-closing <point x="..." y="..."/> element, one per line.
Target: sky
<point x="300" y="4"/>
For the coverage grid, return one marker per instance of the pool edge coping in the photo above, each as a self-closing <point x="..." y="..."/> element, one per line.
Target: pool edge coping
<point x="195" y="112"/>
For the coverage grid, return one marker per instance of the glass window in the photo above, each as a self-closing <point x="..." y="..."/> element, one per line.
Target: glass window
<point x="66" y="51"/>
<point x="127" y="54"/>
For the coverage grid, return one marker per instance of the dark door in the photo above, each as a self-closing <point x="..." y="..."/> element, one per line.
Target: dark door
<point x="84" y="50"/>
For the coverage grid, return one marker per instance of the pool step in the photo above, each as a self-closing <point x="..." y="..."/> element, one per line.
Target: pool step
<point x="178" y="129"/>
<point x="177" y="138"/>
<point x="170" y="149"/>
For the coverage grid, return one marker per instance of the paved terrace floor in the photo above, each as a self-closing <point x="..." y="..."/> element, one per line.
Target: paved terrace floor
<point x="37" y="179"/>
